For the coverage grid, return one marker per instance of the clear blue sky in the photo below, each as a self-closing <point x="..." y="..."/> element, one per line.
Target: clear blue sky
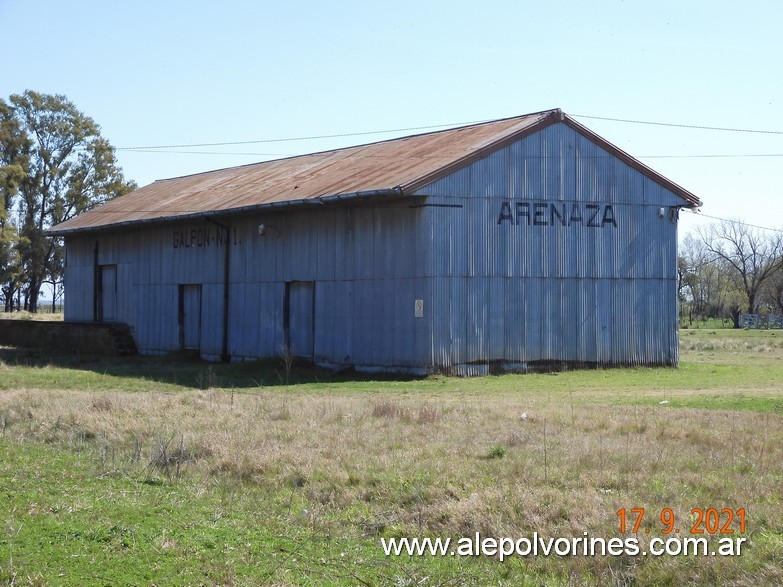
<point x="170" y="73"/>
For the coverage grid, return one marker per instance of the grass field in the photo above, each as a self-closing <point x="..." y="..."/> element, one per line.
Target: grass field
<point x="170" y="471"/>
<point x="44" y="313"/>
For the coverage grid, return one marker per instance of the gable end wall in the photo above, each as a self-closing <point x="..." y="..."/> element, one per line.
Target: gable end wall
<point x="552" y="251"/>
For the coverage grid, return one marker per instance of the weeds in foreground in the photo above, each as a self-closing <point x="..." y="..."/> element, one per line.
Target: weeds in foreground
<point x="287" y="359"/>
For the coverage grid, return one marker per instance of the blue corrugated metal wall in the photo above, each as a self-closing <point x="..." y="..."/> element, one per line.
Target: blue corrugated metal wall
<point x="367" y="264"/>
<point x="525" y="276"/>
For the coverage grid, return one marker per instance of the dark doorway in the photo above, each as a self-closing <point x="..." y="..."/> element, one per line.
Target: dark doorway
<point x="107" y="293"/>
<point x="190" y="316"/>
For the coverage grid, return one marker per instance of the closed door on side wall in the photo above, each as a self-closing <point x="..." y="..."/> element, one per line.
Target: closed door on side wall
<point x="190" y="316"/>
<point x="299" y="318"/>
<point x="107" y="311"/>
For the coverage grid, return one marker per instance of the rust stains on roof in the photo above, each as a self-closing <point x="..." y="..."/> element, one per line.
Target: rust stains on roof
<point x="392" y="168"/>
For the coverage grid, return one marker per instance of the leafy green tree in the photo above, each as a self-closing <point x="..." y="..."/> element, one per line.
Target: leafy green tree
<point x="68" y="168"/>
<point x="13" y="162"/>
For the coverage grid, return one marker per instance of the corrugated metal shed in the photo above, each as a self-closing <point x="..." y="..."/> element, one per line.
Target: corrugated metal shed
<point x="394" y="167"/>
<point x="518" y="244"/>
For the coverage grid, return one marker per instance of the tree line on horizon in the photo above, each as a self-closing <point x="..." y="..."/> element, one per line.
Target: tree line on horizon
<point x="54" y="164"/>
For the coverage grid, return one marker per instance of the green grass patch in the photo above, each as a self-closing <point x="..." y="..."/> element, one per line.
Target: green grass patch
<point x="174" y="471"/>
<point x="68" y="524"/>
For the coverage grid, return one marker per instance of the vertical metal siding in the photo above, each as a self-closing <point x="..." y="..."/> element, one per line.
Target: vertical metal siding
<point x="78" y="287"/>
<point x="364" y="261"/>
<point x="571" y="293"/>
<point x="78" y="279"/>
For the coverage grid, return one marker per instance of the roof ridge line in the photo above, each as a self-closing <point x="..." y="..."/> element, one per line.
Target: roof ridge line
<point x="361" y="145"/>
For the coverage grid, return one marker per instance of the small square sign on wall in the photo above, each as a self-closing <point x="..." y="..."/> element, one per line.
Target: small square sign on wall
<point x="419" y="309"/>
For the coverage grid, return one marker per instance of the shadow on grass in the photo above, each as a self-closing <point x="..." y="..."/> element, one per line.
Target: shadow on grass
<point x="186" y="369"/>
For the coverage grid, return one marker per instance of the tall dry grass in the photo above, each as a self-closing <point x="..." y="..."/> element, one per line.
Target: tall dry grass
<point x="427" y="462"/>
<point x="45" y="315"/>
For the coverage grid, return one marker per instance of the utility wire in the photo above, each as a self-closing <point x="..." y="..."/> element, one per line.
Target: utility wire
<point x="718" y="156"/>
<point x="735" y="221"/>
<point x="443" y="126"/>
<point x="693" y="126"/>
<point x="154" y="150"/>
<point x="316" y="137"/>
<point x="248" y="154"/>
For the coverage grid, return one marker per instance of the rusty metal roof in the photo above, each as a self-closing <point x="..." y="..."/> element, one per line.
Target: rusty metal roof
<point x="393" y="168"/>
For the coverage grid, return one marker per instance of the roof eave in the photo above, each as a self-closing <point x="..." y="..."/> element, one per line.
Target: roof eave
<point x="394" y="192"/>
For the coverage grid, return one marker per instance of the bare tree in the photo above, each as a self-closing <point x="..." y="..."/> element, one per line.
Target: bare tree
<point x="702" y="280"/>
<point x="774" y="290"/>
<point x="751" y="256"/>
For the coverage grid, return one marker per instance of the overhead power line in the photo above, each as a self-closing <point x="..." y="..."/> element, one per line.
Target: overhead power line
<point x="715" y="156"/>
<point x="290" y="139"/>
<point x="735" y="221"/>
<point x="156" y="148"/>
<point x="249" y="154"/>
<point x="165" y="151"/>
<point x="675" y="125"/>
